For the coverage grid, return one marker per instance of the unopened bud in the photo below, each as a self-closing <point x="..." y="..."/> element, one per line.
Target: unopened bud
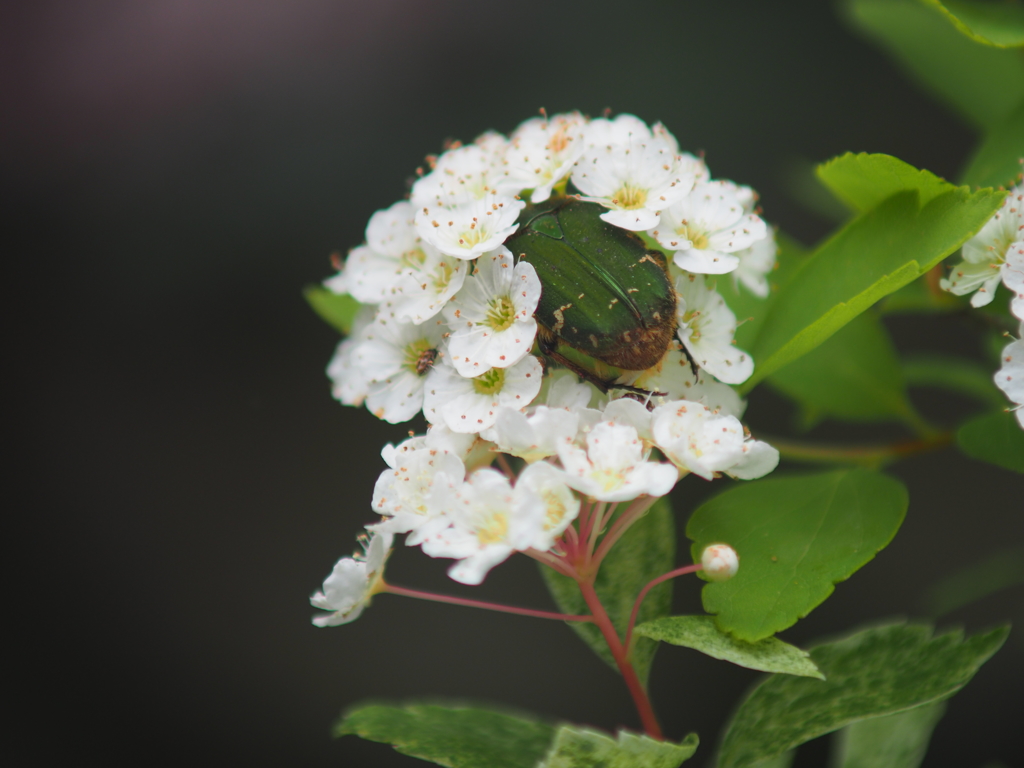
<point x="720" y="562"/>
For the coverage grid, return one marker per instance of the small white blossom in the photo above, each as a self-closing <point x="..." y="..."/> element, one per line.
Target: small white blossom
<point x="1012" y="273"/>
<point x="490" y="521"/>
<point x="706" y="229"/>
<point x="492" y="316"/>
<point x="463" y="174"/>
<point x="1010" y="376"/>
<point x="755" y="264"/>
<point x="985" y="253"/>
<point x="565" y="390"/>
<point x="614" y="467"/>
<point x="352" y="583"/>
<point x="471" y="405"/>
<point x="541" y="154"/>
<point x="707" y="328"/>
<point x="535" y="436"/>
<point x="415" y="492"/>
<point x="392" y="245"/>
<point x="720" y="562"/>
<point x="636" y="176"/>
<point x="397" y="359"/>
<point x="701" y="441"/>
<point x="561" y="505"/>
<point x="422" y="289"/>
<point x="349" y="384"/>
<point x="471" y="229"/>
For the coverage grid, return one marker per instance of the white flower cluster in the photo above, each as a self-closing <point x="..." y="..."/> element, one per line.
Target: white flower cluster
<point x="994" y="255"/>
<point x="448" y="328"/>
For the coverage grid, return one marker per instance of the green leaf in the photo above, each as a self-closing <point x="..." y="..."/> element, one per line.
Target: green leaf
<point x="457" y="737"/>
<point x="893" y="741"/>
<point x="996" y="161"/>
<point x="582" y="748"/>
<point x="796" y="537"/>
<point x="953" y="374"/>
<point x="645" y="551"/>
<point x="337" y="310"/>
<point x="994" y="437"/>
<point x="982" y="83"/>
<point x="877" y="253"/>
<point x="701" y="634"/>
<point x="999" y="24"/>
<point x="863" y="181"/>
<point x="855" y="375"/>
<point x="872" y="673"/>
<point x="919" y="297"/>
<point x="967" y="585"/>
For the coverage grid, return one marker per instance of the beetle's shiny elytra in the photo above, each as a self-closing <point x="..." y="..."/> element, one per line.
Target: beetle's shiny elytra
<point x="604" y="292"/>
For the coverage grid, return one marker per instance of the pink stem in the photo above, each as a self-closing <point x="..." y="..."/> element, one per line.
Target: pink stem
<point x="560" y="564"/>
<point x="626" y="519"/>
<point x="651" y="585"/>
<point x="390" y="588"/>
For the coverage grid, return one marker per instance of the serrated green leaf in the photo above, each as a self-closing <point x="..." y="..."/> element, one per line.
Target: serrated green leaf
<point x="584" y="748"/>
<point x="996" y="161"/>
<point x="457" y="737"/>
<point x="796" y="538"/>
<point x="645" y="551"/>
<point x="855" y="376"/>
<point x="967" y="585"/>
<point x="994" y="437"/>
<point x="999" y="24"/>
<point x="872" y="673"/>
<point x="893" y="741"/>
<point x="337" y="310"/>
<point x="701" y="634"/>
<point x="863" y="181"/>
<point x="953" y="374"/>
<point x="982" y="83"/>
<point x="877" y="253"/>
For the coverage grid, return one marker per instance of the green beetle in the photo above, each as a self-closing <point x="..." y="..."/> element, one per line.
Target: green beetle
<point x="605" y="293"/>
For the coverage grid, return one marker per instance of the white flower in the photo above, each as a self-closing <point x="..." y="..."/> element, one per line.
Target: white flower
<point x="706" y="228"/>
<point x="623" y="129"/>
<point x="463" y="174"/>
<point x="755" y="264"/>
<point x="985" y="253"/>
<point x="425" y="286"/>
<point x="535" y="436"/>
<point x="490" y="521"/>
<point x="636" y="176"/>
<point x="614" y="468"/>
<point x="415" y="492"/>
<point x="492" y="316"/>
<point x="471" y="229"/>
<point x="707" y="328"/>
<point x="565" y="390"/>
<point x="561" y="505"/>
<point x="542" y="153"/>
<point x="720" y="562"/>
<point x="471" y="405"/>
<point x="1012" y="273"/>
<point x="353" y="582"/>
<point x="1010" y="376"/>
<point x="701" y="441"/>
<point x="349" y="384"/>
<point x="392" y="245"/>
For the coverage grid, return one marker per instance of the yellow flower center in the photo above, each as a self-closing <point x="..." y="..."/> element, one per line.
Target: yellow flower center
<point x="629" y="197"/>
<point x="489" y="383"/>
<point x="495" y="530"/>
<point x="501" y="313"/>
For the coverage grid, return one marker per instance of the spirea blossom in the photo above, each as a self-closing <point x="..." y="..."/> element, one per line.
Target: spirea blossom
<point x="524" y="429"/>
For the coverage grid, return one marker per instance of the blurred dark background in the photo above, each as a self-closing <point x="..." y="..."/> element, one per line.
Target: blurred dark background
<point x="174" y="172"/>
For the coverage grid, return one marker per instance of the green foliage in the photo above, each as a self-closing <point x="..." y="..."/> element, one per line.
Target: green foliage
<point x="883" y="249"/>
<point x="796" y="537"/>
<point x="999" y="24"/>
<point x="645" y="551"/>
<point x="966" y="585"/>
<point x="701" y="634"/>
<point x="994" y="437"/>
<point x="855" y="375"/>
<point x="582" y="748"/>
<point x="457" y="737"/>
<point x="982" y="83"/>
<point x="893" y="741"/>
<point x="996" y="161"/>
<point x="872" y="673"/>
<point x="953" y="374"/>
<point x="863" y="181"/>
<point x="337" y="310"/>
